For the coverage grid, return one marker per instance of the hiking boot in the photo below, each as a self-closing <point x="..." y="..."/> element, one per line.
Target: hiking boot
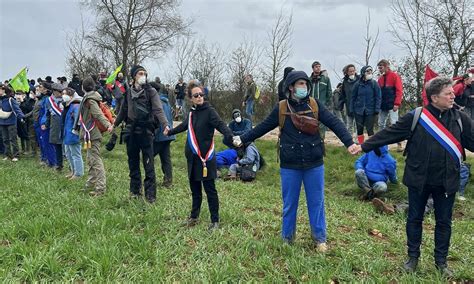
<point x="167" y="183"/>
<point x="366" y="194"/>
<point x="411" y="264"/>
<point x="190" y="222"/>
<point x="444" y="270"/>
<point x="213" y="226"/>
<point x="322" y="247"/>
<point x="382" y="207"/>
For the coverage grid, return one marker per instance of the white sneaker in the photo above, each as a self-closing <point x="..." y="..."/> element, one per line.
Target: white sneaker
<point x="5" y="159"/>
<point x="461" y="198"/>
<point x="322" y="247"/>
<point x="15" y="160"/>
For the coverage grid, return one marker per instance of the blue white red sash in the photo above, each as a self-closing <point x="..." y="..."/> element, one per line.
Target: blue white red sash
<point x="193" y="143"/>
<point x="442" y="135"/>
<point x="55" y="107"/>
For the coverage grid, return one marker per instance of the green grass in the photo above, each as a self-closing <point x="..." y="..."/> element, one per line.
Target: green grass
<point x="52" y="231"/>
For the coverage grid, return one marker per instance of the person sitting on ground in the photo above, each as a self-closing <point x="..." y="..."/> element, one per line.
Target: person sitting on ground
<point x="239" y="125"/>
<point x="248" y="158"/>
<point x="373" y="170"/>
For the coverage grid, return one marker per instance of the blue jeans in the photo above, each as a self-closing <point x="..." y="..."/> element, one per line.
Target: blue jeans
<point x="464" y="177"/>
<point x="249" y="109"/>
<point x="313" y="180"/>
<point x="384" y="114"/>
<point x="74" y="156"/>
<point x="363" y="182"/>
<point x="443" y="210"/>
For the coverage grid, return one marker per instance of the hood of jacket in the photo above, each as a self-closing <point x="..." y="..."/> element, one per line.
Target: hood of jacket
<point x="362" y="72"/>
<point x="93" y="95"/>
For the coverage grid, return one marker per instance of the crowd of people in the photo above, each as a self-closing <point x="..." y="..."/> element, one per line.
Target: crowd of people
<point x="57" y="119"/>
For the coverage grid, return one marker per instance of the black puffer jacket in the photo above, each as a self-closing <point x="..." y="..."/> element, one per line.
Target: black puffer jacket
<point x="427" y="162"/>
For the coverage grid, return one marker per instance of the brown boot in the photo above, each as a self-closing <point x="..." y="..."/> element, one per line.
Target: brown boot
<point x="382" y="207"/>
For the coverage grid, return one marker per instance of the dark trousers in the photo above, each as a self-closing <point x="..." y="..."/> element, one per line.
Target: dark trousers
<point x="212" y="198"/>
<point x="58" y="148"/>
<point x="443" y="210"/>
<point x="366" y="121"/>
<point x="137" y="143"/>
<point x="10" y="141"/>
<point x="163" y="149"/>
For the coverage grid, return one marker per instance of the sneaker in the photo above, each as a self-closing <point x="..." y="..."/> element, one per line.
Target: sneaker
<point x="5" y="159"/>
<point x="167" y="183"/>
<point x="322" y="247"/>
<point x="213" y="226"/>
<point x="382" y="207"/>
<point x="15" y="159"/>
<point x="444" y="270"/>
<point x="461" y="198"/>
<point x="190" y="222"/>
<point x="70" y="175"/>
<point x="411" y="264"/>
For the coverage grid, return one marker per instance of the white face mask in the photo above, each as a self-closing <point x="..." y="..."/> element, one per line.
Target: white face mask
<point x="238" y="119"/>
<point x="368" y="76"/>
<point x="31" y="96"/>
<point x="141" y="80"/>
<point x="352" y="77"/>
<point x="66" y="98"/>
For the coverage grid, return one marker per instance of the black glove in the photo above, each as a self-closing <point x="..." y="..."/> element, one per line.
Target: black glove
<point x="111" y="144"/>
<point x="377" y="152"/>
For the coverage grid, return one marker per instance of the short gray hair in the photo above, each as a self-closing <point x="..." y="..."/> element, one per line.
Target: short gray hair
<point x="436" y="85"/>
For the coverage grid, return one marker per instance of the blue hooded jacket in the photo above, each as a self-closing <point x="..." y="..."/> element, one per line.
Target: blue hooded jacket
<point x="10" y="104"/>
<point x="378" y="168"/>
<point x="366" y="96"/>
<point x="159" y="136"/>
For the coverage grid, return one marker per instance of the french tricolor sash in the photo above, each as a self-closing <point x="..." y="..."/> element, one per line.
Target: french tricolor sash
<point x="193" y="144"/>
<point x="55" y="107"/>
<point x="442" y="135"/>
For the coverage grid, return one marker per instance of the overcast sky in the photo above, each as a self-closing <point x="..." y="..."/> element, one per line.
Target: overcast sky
<point x="33" y="33"/>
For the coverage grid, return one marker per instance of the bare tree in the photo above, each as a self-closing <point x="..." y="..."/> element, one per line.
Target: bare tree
<point x="83" y="59"/>
<point x="411" y="30"/>
<point x="132" y="31"/>
<point x="370" y="40"/>
<point x="453" y="31"/>
<point x="183" y="53"/>
<point x="278" y="51"/>
<point x="207" y="65"/>
<point x="243" y="60"/>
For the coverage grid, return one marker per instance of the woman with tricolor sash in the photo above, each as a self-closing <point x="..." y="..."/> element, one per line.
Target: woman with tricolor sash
<point x="200" y="154"/>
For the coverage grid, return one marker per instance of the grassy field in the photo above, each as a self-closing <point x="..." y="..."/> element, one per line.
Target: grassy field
<point x="52" y="231"/>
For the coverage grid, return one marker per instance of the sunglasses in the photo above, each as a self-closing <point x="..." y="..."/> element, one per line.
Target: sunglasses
<point x="198" y="95"/>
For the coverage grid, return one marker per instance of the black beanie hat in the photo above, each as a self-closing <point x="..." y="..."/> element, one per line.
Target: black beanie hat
<point x="235" y="111"/>
<point x="134" y="70"/>
<point x="88" y="84"/>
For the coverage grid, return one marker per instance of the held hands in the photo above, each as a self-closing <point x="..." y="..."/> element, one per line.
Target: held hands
<point x="111" y="128"/>
<point x="166" y="131"/>
<point x="237" y="141"/>
<point x="395" y="108"/>
<point x="43" y="127"/>
<point x="354" y="149"/>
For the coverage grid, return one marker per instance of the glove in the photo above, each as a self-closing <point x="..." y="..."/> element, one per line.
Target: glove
<point x="377" y="152"/>
<point x="236" y="141"/>
<point x="111" y="144"/>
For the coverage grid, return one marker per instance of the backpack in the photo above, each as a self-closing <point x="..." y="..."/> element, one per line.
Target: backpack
<point x="414" y="123"/>
<point x="257" y="92"/>
<point x="283" y="111"/>
<point x="108" y="115"/>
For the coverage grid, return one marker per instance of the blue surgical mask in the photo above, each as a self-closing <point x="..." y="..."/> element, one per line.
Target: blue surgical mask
<point x="301" y="93"/>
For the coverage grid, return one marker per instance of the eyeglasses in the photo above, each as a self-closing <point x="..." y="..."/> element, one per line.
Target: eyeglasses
<point x="196" y="95"/>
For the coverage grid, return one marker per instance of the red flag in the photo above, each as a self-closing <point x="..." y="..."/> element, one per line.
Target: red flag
<point x="429" y="74"/>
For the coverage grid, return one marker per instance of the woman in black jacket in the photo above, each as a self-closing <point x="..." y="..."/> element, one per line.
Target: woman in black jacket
<point x="202" y="170"/>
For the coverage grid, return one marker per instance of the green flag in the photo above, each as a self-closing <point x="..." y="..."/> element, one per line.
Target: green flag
<point x="20" y="82"/>
<point x="111" y="78"/>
